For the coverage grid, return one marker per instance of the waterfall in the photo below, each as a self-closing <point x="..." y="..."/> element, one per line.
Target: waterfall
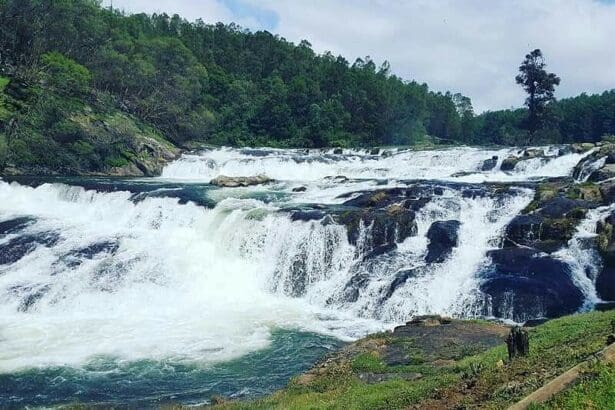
<point x="88" y="272"/>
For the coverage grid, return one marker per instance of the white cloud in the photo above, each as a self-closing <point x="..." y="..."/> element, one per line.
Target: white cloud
<point x="470" y="46"/>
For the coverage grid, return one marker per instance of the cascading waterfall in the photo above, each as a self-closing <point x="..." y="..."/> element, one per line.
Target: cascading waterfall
<point x="582" y="256"/>
<point x="85" y="273"/>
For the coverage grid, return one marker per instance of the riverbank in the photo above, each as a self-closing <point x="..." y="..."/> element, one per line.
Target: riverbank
<point x="435" y="364"/>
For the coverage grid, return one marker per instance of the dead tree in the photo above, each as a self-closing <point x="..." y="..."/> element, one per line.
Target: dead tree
<point x="518" y="343"/>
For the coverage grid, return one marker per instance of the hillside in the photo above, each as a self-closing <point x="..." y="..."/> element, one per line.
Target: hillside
<point x="189" y="82"/>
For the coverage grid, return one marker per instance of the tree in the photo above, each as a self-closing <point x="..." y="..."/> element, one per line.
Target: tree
<point x="540" y="86"/>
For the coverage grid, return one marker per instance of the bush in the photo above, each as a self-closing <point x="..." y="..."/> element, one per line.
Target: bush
<point x="65" y="75"/>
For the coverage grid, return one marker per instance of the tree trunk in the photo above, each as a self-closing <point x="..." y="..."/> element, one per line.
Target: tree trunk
<point x="518" y="343"/>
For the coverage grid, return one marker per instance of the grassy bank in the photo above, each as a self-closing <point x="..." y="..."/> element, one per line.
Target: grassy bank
<point x="455" y="376"/>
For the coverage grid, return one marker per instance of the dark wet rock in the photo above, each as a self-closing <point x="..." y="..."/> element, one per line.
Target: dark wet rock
<point x="605" y="284"/>
<point x="511" y="260"/>
<point x="559" y="207"/>
<point x="509" y="163"/>
<point x="523" y="284"/>
<point x="338" y="151"/>
<point x="18" y="247"/>
<point x="374" y="151"/>
<point x="380" y="250"/>
<point x="311" y="215"/>
<point x="400" y="279"/>
<point x="443" y="237"/>
<point x="474" y="192"/>
<point x="605" y="306"/>
<point x="299" y="189"/>
<point x="385" y="227"/>
<point x="15" y="225"/>
<point x="233" y="182"/>
<point x="489" y="164"/>
<point x="536" y="231"/>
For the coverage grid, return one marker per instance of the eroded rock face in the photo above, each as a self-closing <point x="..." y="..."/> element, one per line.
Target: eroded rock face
<point x="234" y="182"/>
<point x="524" y="284"/>
<point x="443" y="237"/>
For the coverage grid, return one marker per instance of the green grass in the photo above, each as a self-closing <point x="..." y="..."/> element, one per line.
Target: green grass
<point x="595" y="390"/>
<point x="554" y="347"/>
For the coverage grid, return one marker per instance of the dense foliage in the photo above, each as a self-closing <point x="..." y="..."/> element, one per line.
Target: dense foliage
<point x="216" y="83"/>
<point x="64" y="63"/>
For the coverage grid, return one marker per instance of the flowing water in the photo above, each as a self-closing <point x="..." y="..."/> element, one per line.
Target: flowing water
<point x="171" y="290"/>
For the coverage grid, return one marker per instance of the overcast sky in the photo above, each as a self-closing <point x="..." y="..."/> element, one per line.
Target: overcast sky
<point x="468" y="46"/>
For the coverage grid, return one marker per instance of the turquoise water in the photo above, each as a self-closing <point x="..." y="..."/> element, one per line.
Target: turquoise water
<point x="109" y="381"/>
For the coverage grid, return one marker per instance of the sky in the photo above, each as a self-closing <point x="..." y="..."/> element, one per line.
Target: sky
<point x="469" y="46"/>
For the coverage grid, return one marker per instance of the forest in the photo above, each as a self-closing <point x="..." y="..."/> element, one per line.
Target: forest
<point x="64" y="63"/>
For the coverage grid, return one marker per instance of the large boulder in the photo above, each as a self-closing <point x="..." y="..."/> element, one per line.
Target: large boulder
<point x="234" y="182"/>
<point x="443" y="237"/>
<point x="522" y="284"/>
<point x="548" y="227"/>
<point x="387" y="226"/>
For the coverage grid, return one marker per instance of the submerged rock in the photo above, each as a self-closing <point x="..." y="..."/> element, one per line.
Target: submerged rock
<point x="234" y="182"/>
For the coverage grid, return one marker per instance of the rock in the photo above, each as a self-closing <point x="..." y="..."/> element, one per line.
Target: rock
<point x="18" y="247"/>
<point x="338" y="151"/>
<point x="233" y="182"/>
<point x="299" y="189"/>
<point x="533" y="153"/>
<point x="607" y="191"/>
<point x="509" y="163"/>
<point x="604" y="306"/>
<point x="579" y="148"/>
<point x="489" y="164"/>
<point x="305" y="216"/>
<point x="386" y="228"/>
<point x="523" y="284"/>
<point x="546" y="234"/>
<point x="602" y="174"/>
<point x="559" y="207"/>
<point x="374" y="151"/>
<point x="400" y="279"/>
<point x="380" y="250"/>
<point x="443" y="237"/>
<point x="605" y="284"/>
